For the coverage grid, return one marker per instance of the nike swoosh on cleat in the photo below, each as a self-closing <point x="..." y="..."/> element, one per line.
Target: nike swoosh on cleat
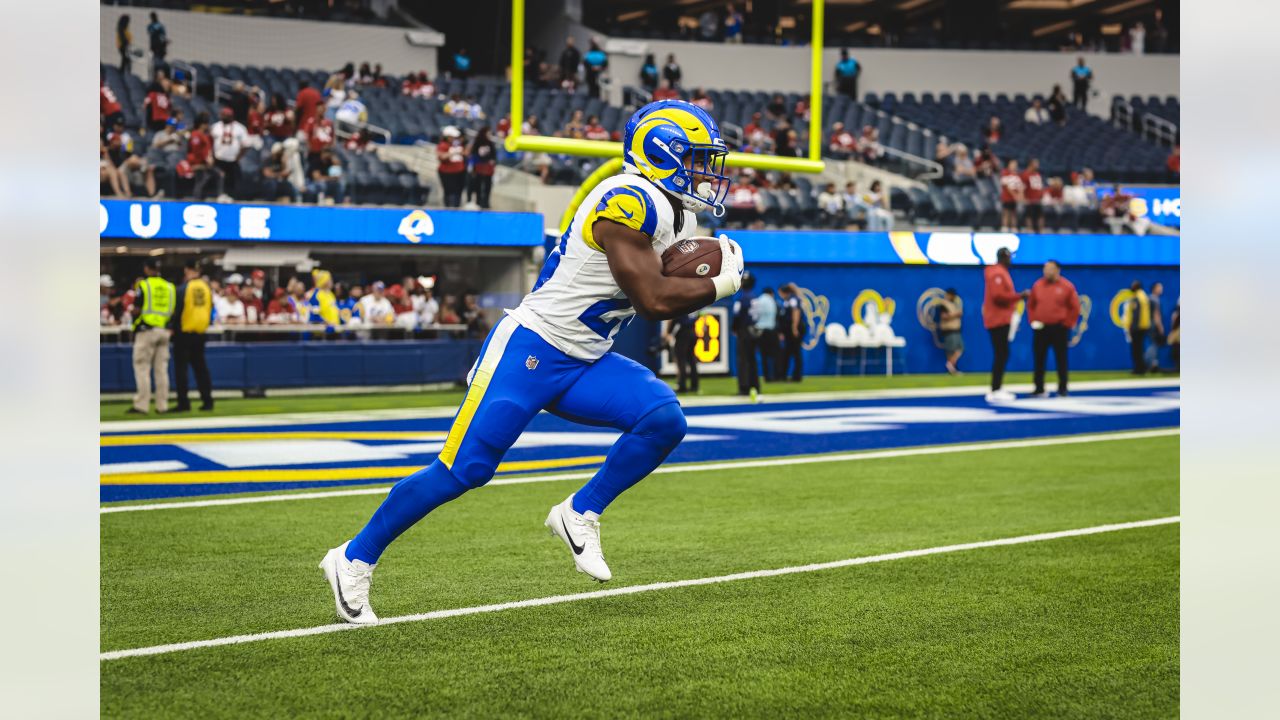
<point x="576" y="549"/>
<point x="343" y="601"/>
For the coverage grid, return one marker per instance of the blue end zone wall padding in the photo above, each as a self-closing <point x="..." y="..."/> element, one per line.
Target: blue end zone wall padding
<point x="237" y="366"/>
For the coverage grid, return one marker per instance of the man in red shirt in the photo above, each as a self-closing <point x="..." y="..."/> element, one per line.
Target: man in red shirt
<point x="304" y="105"/>
<point x="156" y="105"/>
<point x="453" y="165"/>
<point x="1033" y="189"/>
<point x="1011" y="194"/>
<point x="200" y="159"/>
<point x="665" y="92"/>
<point x="999" y="303"/>
<point x="108" y="106"/>
<point x="320" y="135"/>
<point x="843" y="143"/>
<point x="1053" y="309"/>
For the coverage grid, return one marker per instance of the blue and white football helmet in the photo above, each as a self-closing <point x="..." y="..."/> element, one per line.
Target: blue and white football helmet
<point x="677" y="146"/>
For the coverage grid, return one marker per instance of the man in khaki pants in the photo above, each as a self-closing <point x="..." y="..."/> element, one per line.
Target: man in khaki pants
<point x="153" y="307"/>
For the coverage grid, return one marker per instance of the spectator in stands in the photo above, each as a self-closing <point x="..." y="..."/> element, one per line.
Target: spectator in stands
<point x="649" y="73"/>
<point x="482" y="155"/>
<point x="156" y="105"/>
<point x="1053" y="307"/>
<point x="426" y="306"/>
<point x="985" y="163"/>
<point x="230" y="143"/>
<point x="593" y="130"/>
<point x="452" y="157"/>
<point x="950" y="316"/>
<point x="708" y="25"/>
<point x="777" y="107"/>
<point x="1011" y="196"/>
<point x="1077" y="195"/>
<point x="328" y="181"/>
<point x="702" y="100"/>
<point x="992" y="130"/>
<point x="843" y="144"/>
<point x="1033" y="195"/>
<point x="1088" y="181"/>
<point x="359" y="141"/>
<point x="879" y="217"/>
<point x="1036" y="114"/>
<point x="665" y="91"/>
<point x="240" y="100"/>
<point x="832" y="205"/>
<point x="1081" y="81"/>
<point x="575" y="124"/>
<point x="461" y="64"/>
<point x="304" y="106"/>
<point x="743" y="204"/>
<point x="801" y="111"/>
<point x="1116" y="207"/>
<point x="1159" y="35"/>
<point x="456" y="107"/>
<point x="109" y="177"/>
<point x="570" y="59"/>
<point x="228" y="307"/>
<point x="1174" y="162"/>
<point x="375" y="308"/>
<point x="352" y="110"/>
<point x="348" y="303"/>
<point x="1138" y="38"/>
<point x="847" y="72"/>
<point x="159" y="40"/>
<point x="595" y="64"/>
<point x="732" y="25"/>
<point x="854" y="206"/>
<point x="364" y="76"/>
<point x="200" y="162"/>
<point x="1058" y="106"/>
<point x="548" y="75"/>
<point x="962" y="169"/>
<point x="1053" y="194"/>
<point x="276" y="173"/>
<point x="124" y="44"/>
<point x="278" y="120"/>
<point x="671" y="71"/>
<point x="134" y="170"/>
<point x="319" y="133"/>
<point x="943" y="150"/>
<point x="473" y="316"/>
<point x="869" y="146"/>
<point x="167" y="138"/>
<point x="109" y="107"/>
<point x="278" y="309"/>
<point x="449" y="311"/>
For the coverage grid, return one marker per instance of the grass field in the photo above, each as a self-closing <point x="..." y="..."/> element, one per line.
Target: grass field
<point x="226" y="407"/>
<point x="1079" y="627"/>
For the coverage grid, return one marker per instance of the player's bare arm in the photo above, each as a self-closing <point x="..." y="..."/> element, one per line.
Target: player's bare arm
<point x="638" y="270"/>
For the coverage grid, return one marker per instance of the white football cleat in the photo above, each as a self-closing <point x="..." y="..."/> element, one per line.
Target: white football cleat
<point x="582" y="534"/>
<point x="349" y="580"/>
<point x="1001" y="396"/>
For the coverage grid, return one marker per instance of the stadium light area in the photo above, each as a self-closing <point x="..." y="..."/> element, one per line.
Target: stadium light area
<point x="516" y="142"/>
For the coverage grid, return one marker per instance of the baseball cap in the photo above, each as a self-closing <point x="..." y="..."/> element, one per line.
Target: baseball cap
<point x="234" y="279"/>
<point x="379" y="285"/>
<point x="106" y="281"/>
<point x="259" y="273"/>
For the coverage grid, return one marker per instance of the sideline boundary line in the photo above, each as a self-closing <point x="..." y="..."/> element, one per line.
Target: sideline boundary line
<point x="632" y="590"/>
<point x="680" y="468"/>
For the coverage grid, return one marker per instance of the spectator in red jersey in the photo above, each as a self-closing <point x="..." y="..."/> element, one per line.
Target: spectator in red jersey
<point x="379" y="80"/>
<point x="1053" y="194"/>
<point x="279" y="119"/>
<point x="1011" y="195"/>
<point x="318" y="130"/>
<point x="1053" y="309"/>
<point x="985" y="163"/>
<point x="843" y="143"/>
<point x="869" y="146"/>
<point x="1174" y="163"/>
<point x="992" y="131"/>
<point x="483" y="157"/>
<point x="801" y="110"/>
<point x="594" y="130"/>
<point x="504" y="126"/>
<point x="1033" y="189"/>
<point x="256" y="124"/>
<point x="359" y="141"/>
<point x="665" y="91"/>
<point x="108" y="106"/>
<point x="230" y="143"/>
<point x="304" y="106"/>
<point x="157" y="103"/>
<point x="702" y="100"/>
<point x="200" y="163"/>
<point x="743" y="204"/>
<point x="451" y="154"/>
<point x="999" y="303"/>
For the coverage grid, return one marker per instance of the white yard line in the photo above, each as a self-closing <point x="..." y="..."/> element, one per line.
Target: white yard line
<point x="630" y="590"/>
<point x="204" y="423"/>
<point x="690" y="467"/>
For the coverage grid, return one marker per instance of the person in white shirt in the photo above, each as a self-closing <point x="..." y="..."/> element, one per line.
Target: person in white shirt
<point x="352" y="111"/>
<point x="230" y="142"/>
<point x="427" y="308"/>
<point x="229" y="307"/>
<point x="832" y="204"/>
<point x="1138" y="38"/>
<point x="375" y="308"/>
<point x="1036" y="114"/>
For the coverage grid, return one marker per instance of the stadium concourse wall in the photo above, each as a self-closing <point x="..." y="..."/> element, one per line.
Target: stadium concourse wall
<point x="786" y="69"/>
<point x="846" y="276"/>
<point x="280" y="42"/>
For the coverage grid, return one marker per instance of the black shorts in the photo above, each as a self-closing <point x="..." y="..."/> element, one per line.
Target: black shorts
<point x="1035" y="211"/>
<point x="1010" y="205"/>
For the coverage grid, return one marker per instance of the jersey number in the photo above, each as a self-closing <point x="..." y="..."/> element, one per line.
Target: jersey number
<point x="597" y="317"/>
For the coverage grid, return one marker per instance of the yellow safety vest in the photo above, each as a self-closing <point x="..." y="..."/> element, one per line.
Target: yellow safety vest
<point x="1142" y="306"/>
<point x="197" y="306"/>
<point x="157" y="298"/>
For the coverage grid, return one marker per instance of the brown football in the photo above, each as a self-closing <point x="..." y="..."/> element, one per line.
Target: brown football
<point x="697" y="257"/>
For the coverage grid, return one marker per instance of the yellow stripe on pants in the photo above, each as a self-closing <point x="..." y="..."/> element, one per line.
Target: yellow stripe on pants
<point x="479" y="384"/>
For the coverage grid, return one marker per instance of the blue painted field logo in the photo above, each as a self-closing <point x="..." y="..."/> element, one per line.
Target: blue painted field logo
<point x="415" y="225"/>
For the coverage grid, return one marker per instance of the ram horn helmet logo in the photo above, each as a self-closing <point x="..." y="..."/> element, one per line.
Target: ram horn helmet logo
<point x="415" y="225"/>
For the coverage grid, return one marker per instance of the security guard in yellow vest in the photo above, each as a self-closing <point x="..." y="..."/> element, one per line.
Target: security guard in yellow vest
<point x="153" y="306"/>
<point x="191" y="317"/>
<point x="1139" y="327"/>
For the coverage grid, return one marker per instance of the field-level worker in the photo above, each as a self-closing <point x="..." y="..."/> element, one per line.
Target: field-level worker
<point x="192" y="313"/>
<point x="153" y="307"/>
<point x="1139" y="327"/>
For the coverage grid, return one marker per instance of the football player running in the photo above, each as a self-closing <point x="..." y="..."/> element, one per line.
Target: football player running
<point x="552" y="352"/>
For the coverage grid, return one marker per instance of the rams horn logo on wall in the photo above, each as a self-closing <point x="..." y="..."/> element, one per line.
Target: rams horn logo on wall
<point x="415" y="225"/>
<point x="1086" y="309"/>
<point x="870" y="299"/>
<point x="814" y="309"/>
<point x="927" y="311"/>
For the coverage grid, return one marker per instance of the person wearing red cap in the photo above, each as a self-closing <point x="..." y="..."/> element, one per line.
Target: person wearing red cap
<point x="230" y="142"/>
<point x="998" y="305"/>
<point x="1053" y="309"/>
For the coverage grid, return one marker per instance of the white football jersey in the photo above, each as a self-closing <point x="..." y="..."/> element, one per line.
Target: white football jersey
<point x="576" y="305"/>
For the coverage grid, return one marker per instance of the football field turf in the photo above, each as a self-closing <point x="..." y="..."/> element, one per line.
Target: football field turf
<point x="1083" y="626"/>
